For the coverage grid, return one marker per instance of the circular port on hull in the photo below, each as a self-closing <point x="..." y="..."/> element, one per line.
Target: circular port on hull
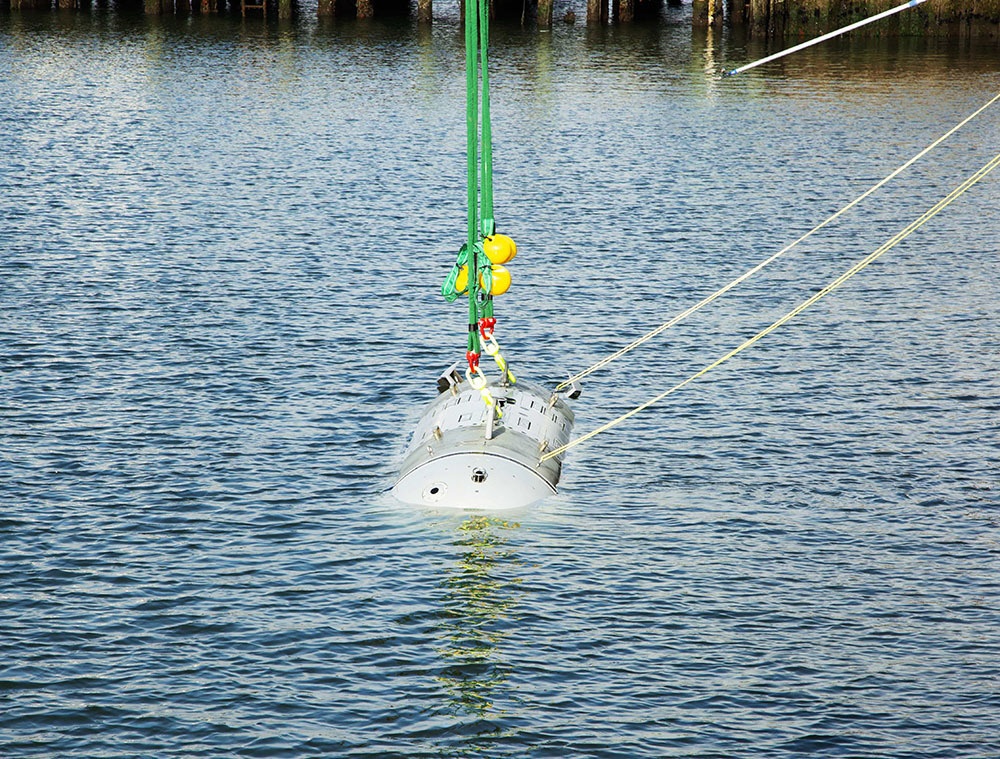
<point x="435" y="492"/>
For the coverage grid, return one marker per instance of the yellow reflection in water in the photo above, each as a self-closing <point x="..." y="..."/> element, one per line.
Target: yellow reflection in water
<point x="481" y="592"/>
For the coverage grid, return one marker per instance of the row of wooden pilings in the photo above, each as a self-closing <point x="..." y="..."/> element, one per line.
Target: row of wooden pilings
<point x="802" y="18"/>
<point x="760" y="18"/>
<point x="283" y="8"/>
<point x="597" y="12"/>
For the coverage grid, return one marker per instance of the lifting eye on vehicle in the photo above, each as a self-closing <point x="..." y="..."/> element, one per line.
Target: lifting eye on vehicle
<point x="479" y="475"/>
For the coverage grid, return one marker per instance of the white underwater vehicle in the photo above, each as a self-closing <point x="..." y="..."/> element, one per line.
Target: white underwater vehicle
<point x="466" y="454"/>
<point x="483" y="444"/>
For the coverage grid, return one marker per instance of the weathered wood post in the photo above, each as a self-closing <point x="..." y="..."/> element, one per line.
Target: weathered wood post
<point x="707" y="12"/>
<point x="425" y="11"/>
<point x="366" y="8"/>
<point x="760" y="18"/>
<point x="738" y="11"/>
<point x="597" y="11"/>
<point x="626" y="11"/>
<point x="544" y="14"/>
<point x="326" y="9"/>
<point x="284" y="8"/>
<point x="715" y="13"/>
<point x="778" y="14"/>
<point x="699" y="12"/>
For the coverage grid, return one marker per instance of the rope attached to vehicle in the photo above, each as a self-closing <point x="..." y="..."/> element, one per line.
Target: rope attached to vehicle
<point x="749" y="273"/>
<point x="858" y="267"/>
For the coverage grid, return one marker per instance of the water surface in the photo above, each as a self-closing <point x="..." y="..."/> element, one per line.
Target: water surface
<point x="220" y="246"/>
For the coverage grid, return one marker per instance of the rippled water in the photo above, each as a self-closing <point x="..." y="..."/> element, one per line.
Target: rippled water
<point x="221" y="244"/>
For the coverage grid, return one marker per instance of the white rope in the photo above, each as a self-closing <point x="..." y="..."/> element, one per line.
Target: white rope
<point x="825" y="37"/>
<point x="870" y="258"/>
<point x="746" y="275"/>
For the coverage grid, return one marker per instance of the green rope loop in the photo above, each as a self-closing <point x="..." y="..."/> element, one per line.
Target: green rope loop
<point x="485" y="286"/>
<point x="449" y="290"/>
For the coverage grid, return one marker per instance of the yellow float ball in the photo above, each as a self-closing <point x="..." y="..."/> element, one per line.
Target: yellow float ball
<point x="499" y="249"/>
<point x="462" y="280"/>
<point x="501" y="280"/>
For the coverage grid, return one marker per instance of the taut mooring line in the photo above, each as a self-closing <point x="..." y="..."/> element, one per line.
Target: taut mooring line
<point x="862" y="264"/>
<point x="746" y="275"/>
<point x="824" y="38"/>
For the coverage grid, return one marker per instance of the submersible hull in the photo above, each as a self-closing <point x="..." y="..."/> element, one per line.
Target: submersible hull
<point x="467" y="455"/>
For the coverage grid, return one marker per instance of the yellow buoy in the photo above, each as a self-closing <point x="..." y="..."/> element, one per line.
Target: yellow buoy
<point x="462" y="280"/>
<point x="499" y="249"/>
<point x="501" y="280"/>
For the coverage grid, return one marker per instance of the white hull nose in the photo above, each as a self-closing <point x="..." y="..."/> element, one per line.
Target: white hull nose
<point x="461" y="458"/>
<point x="472" y="481"/>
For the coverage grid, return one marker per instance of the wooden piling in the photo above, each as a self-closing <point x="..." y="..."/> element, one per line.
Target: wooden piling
<point x="626" y="11"/>
<point x="366" y="8"/>
<point x="158" y="7"/>
<point x="738" y="11"/>
<point x="707" y="12"/>
<point x="715" y="13"/>
<point x="760" y="17"/>
<point x="327" y="9"/>
<point x="598" y="11"/>
<point x="544" y="14"/>
<point x="699" y="12"/>
<point x="425" y="11"/>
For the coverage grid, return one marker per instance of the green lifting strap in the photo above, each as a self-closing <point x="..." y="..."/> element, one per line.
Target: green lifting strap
<point x="486" y="217"/>
<point x="472" y="155"/>
<point x="479" y="167"/>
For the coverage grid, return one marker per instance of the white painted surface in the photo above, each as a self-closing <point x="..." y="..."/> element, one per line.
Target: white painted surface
<point x="455" y="481"/>
<point x="456" y="461"/>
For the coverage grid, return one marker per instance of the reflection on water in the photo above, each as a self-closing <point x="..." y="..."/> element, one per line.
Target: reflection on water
<point x="481" y="593"/>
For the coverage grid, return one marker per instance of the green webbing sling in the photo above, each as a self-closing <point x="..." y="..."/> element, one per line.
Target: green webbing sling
<point x="479" y="167"/>
<point x="488" y="226"/>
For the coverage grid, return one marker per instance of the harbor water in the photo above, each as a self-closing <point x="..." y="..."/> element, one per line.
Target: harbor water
<point x="221" y="243"/>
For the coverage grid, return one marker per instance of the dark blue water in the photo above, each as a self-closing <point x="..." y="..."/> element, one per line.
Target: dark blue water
<point x="220" y="245"/>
